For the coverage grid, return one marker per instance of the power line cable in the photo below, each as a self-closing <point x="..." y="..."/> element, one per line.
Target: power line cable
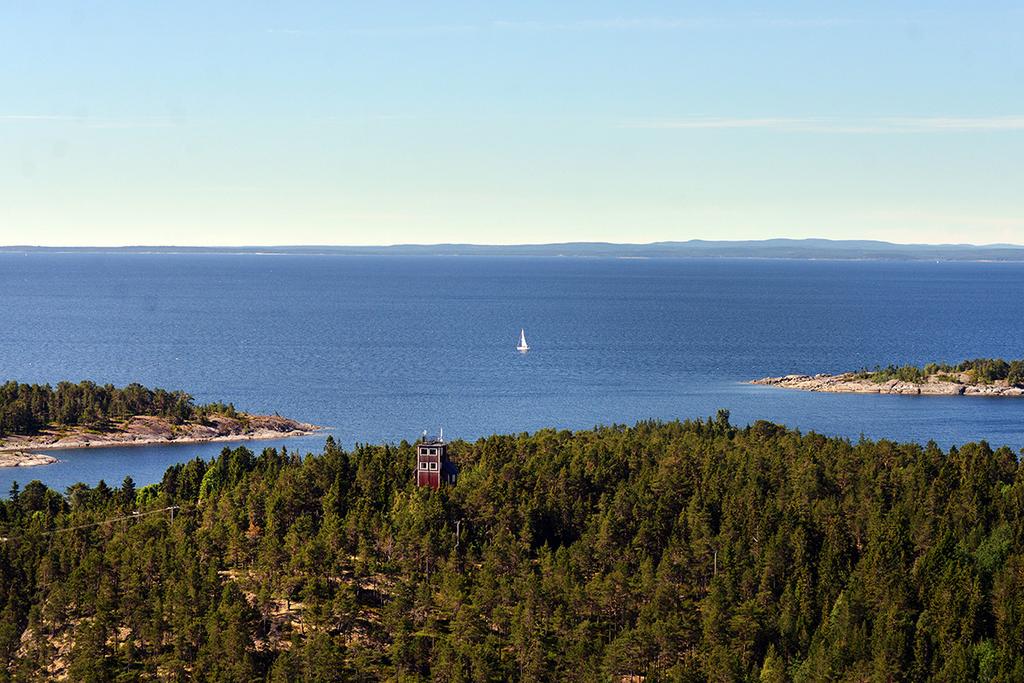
<point x="134" y="515"/>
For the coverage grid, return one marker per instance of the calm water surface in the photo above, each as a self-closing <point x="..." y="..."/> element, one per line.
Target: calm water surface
<point x="381" y="348"/>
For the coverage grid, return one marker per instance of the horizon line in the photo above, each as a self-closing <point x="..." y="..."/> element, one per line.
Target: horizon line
<point x="990" y="245"/>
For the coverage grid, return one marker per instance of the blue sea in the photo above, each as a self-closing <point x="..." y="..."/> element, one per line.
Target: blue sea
<point x="380" y="348"/>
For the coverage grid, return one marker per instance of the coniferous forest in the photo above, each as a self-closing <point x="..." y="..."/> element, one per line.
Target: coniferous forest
<point x="28" y="408"/>
<point x="978" y="370"/>
<point x="682" y="551"/>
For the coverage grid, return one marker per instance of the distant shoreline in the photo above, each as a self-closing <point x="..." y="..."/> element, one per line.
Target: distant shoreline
<point x="17" y="450"/>
<point x="783" y="249"/>
<point x="850" y="383"/>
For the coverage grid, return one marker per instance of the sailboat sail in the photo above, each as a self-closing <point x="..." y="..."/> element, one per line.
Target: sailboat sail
<point x="523" y="346"/>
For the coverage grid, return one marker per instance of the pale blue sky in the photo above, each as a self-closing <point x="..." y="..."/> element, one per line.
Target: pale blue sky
<point x="127" y="122"/>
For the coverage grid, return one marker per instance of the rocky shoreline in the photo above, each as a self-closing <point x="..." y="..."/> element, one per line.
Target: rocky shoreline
<point x="850" y="383"/>
<point x="20" y="459"/>
<point x="147" y="430"/>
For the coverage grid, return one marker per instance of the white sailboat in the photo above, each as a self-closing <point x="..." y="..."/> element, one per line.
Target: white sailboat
<point x="523" y="346"/>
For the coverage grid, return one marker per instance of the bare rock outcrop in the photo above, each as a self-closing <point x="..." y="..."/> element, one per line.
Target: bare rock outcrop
<point x="149" y="429"/>
<point x="852" y="383"/>
<point x="21" y="459"/>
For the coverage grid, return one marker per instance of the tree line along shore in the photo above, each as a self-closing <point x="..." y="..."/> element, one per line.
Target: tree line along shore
<point x="977" y="377"/>
<point x="678" y="551"/>
<point x="29" y="408"/>
<point x="37" y="416"/>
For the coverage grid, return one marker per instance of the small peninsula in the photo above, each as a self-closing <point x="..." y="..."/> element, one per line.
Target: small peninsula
<point x="978" y="377"/>
<point x="20" y="459"/>
<point x="87" y="415"/>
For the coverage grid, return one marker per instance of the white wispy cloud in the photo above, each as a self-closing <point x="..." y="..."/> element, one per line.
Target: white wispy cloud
<point x="866" y="125"/>
<point x="674" y="23"/>
<point x="37" y="117"/>
<point x="378" y="31"/>
<point x="612" y="24"/>
<point x="94" y="122"/>
<point x="822" y="22"/>
<point x="608" y="24"/>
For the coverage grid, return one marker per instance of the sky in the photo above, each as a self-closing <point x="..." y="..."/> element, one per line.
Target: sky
<point x="260" y="123"/>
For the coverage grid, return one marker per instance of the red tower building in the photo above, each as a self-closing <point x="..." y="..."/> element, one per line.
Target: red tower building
<point x="433" y="468"/>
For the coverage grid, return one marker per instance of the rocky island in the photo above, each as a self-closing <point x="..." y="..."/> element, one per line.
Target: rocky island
<point x="84" y="415"/>
<point x="20" y="459"/>
<point x="979" y="377"/>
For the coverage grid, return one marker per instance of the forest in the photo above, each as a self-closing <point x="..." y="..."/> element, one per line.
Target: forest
<point x="662" y="551"/>
<point x="28" y="408"/>
<point x="979" y="370"/>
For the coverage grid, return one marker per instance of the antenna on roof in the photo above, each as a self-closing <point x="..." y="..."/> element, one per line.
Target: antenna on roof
<point x="441" y="435"/>
<point x="424" y="434"/>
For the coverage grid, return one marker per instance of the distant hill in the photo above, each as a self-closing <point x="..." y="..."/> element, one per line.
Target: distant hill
<point x="773" y="248"/>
